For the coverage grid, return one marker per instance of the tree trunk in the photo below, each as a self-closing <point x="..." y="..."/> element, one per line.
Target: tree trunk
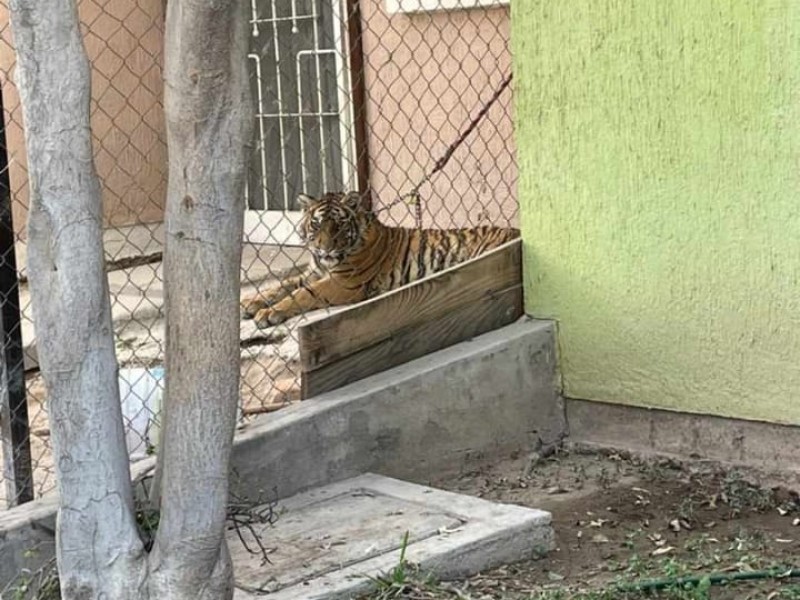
<point x="209" y="124"/>
<point x="98" y="547"/>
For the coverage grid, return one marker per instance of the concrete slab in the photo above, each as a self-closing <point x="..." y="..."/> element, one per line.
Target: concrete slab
<point x="329" y="540"/>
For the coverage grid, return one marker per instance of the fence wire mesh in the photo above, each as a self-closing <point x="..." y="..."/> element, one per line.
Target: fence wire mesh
<point x="349" y="95"/>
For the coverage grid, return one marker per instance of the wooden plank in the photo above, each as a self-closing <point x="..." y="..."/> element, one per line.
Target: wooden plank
<point x="478" y="316"/>
<point x="358" y="97"/>
<point x="365" y="324"/>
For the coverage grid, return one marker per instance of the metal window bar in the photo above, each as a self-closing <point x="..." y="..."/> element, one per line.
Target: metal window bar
<point x="300" y="115"/>
<point x="320" y="114"/>
<point x="261" y="135"/>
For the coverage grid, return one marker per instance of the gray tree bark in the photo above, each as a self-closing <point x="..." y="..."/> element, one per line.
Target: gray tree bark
<point x="71" y="308"/>
<point x="209" y="125"/>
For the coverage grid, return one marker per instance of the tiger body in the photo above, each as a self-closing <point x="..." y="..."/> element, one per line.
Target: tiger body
<point x="356" y="257"/>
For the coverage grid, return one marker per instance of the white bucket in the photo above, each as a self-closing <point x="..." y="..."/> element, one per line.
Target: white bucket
<point x="141" y="391"/>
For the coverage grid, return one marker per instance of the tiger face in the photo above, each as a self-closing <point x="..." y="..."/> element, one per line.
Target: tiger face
<point x="333" y="225"/>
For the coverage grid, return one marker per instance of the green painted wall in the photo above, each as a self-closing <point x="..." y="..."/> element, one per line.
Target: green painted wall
<point x="659" y="151"/>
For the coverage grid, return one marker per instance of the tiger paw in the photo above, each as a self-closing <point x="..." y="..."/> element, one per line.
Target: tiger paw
<point x="250" y="306"/>
<point x="267" y="317"/>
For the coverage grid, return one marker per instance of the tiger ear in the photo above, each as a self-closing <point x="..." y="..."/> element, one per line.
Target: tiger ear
<point x="357" y="202"/>
<point x="304" y="201"/>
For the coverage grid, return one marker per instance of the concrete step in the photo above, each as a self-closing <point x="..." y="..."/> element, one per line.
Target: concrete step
<point x="327" y="542"/>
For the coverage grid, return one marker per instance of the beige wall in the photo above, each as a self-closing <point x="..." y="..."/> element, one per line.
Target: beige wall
<point x="426" y="76"/>
<point x="123" y="40"/>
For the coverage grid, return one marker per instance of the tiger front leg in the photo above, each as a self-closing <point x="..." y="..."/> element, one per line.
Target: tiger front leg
<point x="251" y="305"/>
<point x="320" y="294"/>
<point x="298" y="302"/>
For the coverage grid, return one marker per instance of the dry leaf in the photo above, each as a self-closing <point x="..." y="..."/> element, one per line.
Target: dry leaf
<point x="598" y="523"/>
<point x="662" y="551"/>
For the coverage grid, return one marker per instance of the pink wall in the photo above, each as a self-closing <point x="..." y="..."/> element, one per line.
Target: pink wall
<point x="426" y="76"/>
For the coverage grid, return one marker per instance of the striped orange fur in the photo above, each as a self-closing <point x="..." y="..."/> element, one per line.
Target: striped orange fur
<point x="356" y="257"/>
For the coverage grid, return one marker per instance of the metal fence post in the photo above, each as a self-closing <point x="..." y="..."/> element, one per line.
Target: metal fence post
<point x="14" y="426"/>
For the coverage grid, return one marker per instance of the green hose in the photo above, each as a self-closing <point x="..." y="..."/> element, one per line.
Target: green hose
<point x="713" y="579"/>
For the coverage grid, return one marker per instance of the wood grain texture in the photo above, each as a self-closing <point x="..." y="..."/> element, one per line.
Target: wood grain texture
<point x="465" y="322"/>
<point x="443" y="309"/>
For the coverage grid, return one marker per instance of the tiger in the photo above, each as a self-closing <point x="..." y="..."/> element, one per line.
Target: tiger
<point x="356" y="257"/>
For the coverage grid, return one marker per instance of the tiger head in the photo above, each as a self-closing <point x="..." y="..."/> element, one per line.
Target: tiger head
<point x="333" y="225"/>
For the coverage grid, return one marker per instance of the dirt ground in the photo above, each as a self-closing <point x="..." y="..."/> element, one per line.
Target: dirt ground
<point x="620" y="521"/>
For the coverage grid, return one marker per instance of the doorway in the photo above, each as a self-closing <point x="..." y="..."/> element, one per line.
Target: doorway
<point x="305" y="132"/>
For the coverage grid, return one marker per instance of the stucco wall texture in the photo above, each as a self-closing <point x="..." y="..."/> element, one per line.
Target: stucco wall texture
<point x="659" y="157"/>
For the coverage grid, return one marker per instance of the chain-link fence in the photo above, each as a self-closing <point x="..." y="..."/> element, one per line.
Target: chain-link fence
<point x="369" y="95"/>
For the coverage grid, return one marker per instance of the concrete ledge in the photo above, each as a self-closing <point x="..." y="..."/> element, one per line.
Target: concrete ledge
<point x="764" y="446"/>
<point x="476" y="401"/>
<point x="27" y="537"/>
